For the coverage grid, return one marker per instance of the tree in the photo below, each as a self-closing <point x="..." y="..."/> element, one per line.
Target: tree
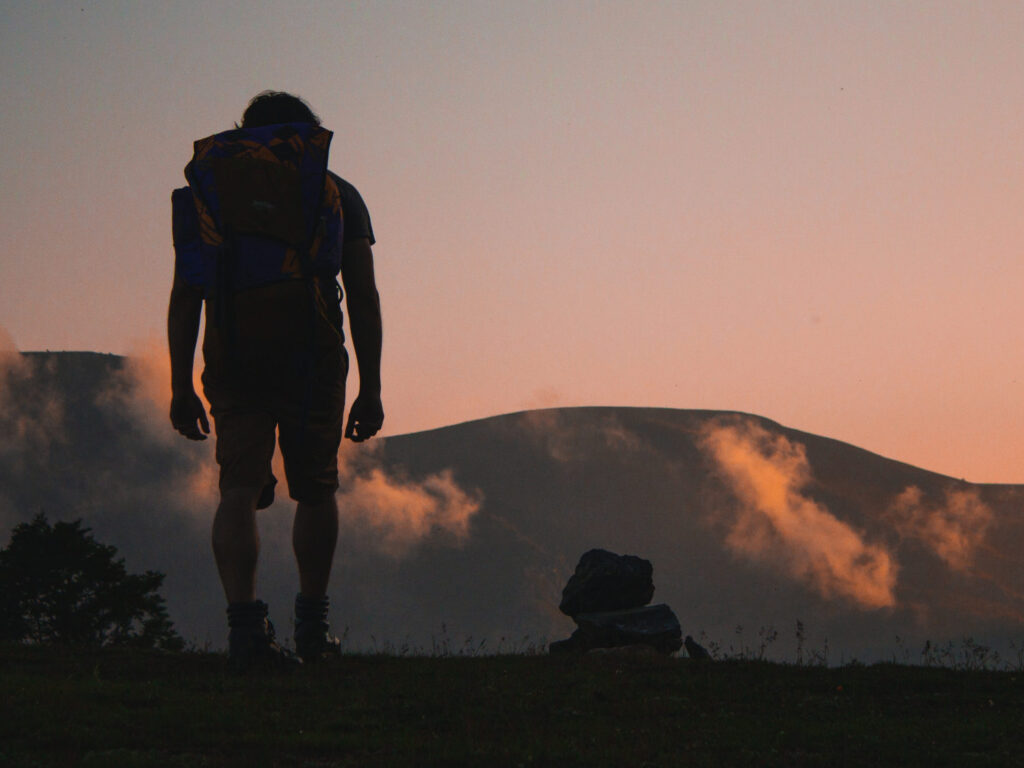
<point x="59" y="585"/>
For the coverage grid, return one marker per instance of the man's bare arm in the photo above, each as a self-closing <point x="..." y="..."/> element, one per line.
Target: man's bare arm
<point x="367" y="414"/>
<point x="183" y="313"/>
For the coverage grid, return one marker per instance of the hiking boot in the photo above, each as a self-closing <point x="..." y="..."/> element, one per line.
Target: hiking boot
<point x="252" y="644"/>
<point x="313" y="639"/>
<point x="314" y="642"/>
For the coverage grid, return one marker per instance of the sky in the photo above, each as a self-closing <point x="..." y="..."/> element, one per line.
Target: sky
<point x="806" y="210"/>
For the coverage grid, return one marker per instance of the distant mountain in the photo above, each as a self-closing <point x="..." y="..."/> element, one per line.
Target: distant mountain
<point x="469" y="532"/>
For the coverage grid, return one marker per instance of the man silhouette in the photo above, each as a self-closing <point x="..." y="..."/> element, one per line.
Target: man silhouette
<point x="275" y="359"/>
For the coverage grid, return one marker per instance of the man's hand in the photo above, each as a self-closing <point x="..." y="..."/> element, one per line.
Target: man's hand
<point x="188" y="415"/>
<point x="365" y="418"/>
<point x="367" y="415"/>
<point x="183" y="314"/>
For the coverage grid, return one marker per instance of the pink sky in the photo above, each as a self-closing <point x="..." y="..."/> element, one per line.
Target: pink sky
<point x="810" y="211"/>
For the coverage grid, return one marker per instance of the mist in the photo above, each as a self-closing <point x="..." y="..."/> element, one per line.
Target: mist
<point x="468" y="533"/>
<point x="775" y="522"/>
<point x="87" y="435"/>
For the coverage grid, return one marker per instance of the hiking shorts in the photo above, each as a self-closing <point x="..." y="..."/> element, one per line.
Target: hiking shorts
<point x="275" y="381"/>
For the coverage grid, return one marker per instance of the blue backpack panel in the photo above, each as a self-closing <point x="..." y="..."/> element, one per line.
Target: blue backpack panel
<point x="259" y="208"/>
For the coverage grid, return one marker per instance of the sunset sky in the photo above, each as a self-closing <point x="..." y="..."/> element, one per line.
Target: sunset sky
<point x="812" y="211"/>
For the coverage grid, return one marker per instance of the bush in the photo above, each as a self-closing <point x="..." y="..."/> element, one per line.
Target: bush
<point x="59" y="585"/>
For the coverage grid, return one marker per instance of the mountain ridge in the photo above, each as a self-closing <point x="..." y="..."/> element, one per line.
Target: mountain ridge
<point x="113" y="362"/>
<point x="478" y="525"/>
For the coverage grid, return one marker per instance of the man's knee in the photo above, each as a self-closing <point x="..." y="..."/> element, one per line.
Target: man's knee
<point x="313" y="490"/>
<point x="319" y="506"/>
<point x="238" y="501"/>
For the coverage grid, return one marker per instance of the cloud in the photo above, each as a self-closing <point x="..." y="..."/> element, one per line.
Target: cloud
<point x="776" y="522"/>
<point x="7" y="345"/>
<point x="400" y="514"/>
<point x="566" y="438"/>
<point x="397" y="513"/>
<point x="545" y="397"/>
<point x="31" y="415"/>
<point x="144" y="385"/>
<point x="952" y="528"/>
<point x="141" y="390"/>
<point x="158" y="464"/>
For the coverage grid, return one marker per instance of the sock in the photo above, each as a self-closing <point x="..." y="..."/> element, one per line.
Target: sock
<point x="313" y="610"/>
<point x="248" y="616"/>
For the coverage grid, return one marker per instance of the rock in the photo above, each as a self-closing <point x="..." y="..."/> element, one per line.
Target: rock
<point x="606" y="597"/>
<point x="572" y="644"/>
<point x="655" y="626"/>
<point x="695" y="650"/>
<point x="604" y="581"/>
<point x="626" y="652"/>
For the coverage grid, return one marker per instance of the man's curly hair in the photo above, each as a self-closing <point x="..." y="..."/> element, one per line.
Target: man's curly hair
<point x="272" y="107"/>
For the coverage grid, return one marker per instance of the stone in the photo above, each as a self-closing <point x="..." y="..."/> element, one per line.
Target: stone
<point x="625" y="652"/>
<point x="655" y="626"/>
<point x="695" y="650"/>
<point x="604" y="581"/>
<point x="571" y="644"/>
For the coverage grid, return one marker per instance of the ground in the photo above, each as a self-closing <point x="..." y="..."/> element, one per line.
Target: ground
<point x="134" y="708"/>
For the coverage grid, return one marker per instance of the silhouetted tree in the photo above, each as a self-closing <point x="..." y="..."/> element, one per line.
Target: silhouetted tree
<point x="59" y="585"/>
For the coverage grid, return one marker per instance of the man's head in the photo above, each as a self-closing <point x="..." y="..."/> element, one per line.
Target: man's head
<point x="272" y="107"/>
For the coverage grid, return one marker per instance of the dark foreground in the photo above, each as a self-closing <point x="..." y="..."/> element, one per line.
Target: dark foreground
<point x="134" y="708"/>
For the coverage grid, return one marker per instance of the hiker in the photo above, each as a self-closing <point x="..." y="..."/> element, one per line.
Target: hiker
<point x="261" y="233"/>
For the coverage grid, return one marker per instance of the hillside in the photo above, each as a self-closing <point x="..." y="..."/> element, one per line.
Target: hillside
<point x="477" y="526"/>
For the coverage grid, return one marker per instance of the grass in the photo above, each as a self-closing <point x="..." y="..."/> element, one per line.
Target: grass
<point x="137" y="708"/>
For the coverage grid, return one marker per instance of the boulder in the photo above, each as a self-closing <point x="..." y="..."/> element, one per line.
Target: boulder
<point x="604" y="581"/>
<point x="695" y="650"/>
<point x="654" y="625"/>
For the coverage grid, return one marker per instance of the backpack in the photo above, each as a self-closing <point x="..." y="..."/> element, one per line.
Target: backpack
<point x="259" y="208"/>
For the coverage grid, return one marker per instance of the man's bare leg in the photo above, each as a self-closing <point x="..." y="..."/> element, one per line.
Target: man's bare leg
<point x="236" y="543"/>
<point x="314" y="538"/>
<point x="236" y="546"/>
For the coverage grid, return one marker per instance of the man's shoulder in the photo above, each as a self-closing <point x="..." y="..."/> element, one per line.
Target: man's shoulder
<point x="354" y="210"/>
<point x="345" y="188"/>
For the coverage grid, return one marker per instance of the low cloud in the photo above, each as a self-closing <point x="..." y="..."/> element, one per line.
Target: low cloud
<point x="144" y="385"/>
<point x="7" y="346"/>
<point x="31" y="415"/>
<point x="566" y="438"/>
<point x="396" y="513"/>
<point x="775" y="522"/>
<point x="142" y="388"/>
<point x="30" y="423"/>
<point x="545" y="397"/>
<point x="400" y="514"/>
<point x="181" y="476"/>
<point x="952" y="527"/>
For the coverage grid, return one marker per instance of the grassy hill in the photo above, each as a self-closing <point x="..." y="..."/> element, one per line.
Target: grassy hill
<point x="132" y="708"/>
